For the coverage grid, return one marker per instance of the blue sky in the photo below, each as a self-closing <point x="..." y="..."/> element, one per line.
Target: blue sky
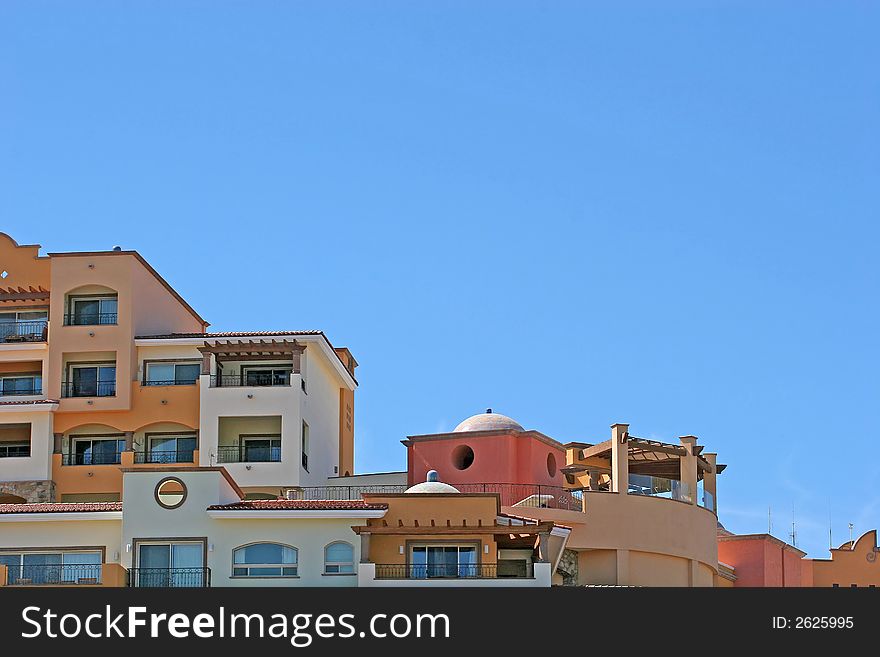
<point x="575" y="213"/>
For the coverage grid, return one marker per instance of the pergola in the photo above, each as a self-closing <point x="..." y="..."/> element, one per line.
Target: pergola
<point x="251" y="350"/>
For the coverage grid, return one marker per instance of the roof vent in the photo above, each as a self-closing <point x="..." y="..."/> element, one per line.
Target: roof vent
<point x="433" y="475"/>
<point x="488" y="410"/>
<point x="292" y="494"/>
<point x="117" y="248"/>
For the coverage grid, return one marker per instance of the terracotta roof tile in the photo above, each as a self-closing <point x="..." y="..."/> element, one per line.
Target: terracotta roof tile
<point x="299" y="505"/>
<point x="28" y="401"/>
<point x="227" y="334"/>
<point x="63" y="507"/>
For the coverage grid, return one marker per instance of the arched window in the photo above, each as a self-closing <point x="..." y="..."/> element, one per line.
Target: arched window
<point x="264" y="560"/>
<point x="338" y="558"/>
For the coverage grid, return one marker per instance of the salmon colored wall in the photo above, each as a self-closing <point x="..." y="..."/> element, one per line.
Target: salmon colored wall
<point x="760" y="561"/>
<point x="506" y="458"/>
<point x="156" y="310"/>
<point x="23" y="264"/>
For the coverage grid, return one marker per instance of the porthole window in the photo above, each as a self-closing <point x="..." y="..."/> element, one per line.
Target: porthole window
<point x="462" y="457"/>
<point x="551" y="464"/>
<point x="170" y="493"/>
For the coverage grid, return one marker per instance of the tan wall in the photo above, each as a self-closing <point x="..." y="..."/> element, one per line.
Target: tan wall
<point x="597" y="567"/>
<point x="23" y="264"/>
<point x="457" y="509"/>
<point x="386" y="549"/>
<point x="859" y="566"/>
<point x="346" y="432"/>
<point x="157" y="311"/>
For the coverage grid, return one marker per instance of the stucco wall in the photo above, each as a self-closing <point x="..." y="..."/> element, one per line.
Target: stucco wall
<point x="37" y="466"/>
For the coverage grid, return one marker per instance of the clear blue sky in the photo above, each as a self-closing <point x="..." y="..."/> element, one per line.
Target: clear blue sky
<point x="575" y="213"/>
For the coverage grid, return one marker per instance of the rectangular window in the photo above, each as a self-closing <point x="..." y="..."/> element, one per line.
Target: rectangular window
<point x="171" y="374"/>
<point x="171" y="564"/>
<point x="305" y="446"/>
<point x="266" y="376"/>
<point x="443" y="561"/>
<point x="256" y="449"/>
<point x="170" y="448"/>
<point x="52" y="567"/>
<point x="91" y="380"/>
<point x="95" y="450"/>
<point x="21" y="384"/>
<point x="90" y="311"/>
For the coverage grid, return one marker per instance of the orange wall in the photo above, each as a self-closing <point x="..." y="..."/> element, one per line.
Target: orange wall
<point x="346" y="432"/>
<point x="24" y="267"/>
<point x="859" y="565"/>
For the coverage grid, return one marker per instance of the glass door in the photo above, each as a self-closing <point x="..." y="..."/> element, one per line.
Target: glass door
<point x="171" y="449"/>
<point x="177" y="564"/>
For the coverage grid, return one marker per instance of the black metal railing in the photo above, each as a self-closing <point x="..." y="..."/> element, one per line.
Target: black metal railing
<point x="174" y="382"/>
<point x="99" y="458"/>
<point x="32" y="331"/>
<point x="530" y="495"/>
<point x="54" y="574"/>
<point x="164" y="456"/>
<point x="90" y="319"/>
<point x="152" y="578"/>
<point x="245" y="381"/>
<point x="341" y="493"/>
<point x="244" y="454"/>
<point x="93" y="389"/>
<point x="444" y="571"/>
<point x="12" y="451"/>
<point x="20" y="392"/>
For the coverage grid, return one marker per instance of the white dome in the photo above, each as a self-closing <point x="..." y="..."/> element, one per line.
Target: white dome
<point x="488" y="421"/>
<point x="432" y="485"/>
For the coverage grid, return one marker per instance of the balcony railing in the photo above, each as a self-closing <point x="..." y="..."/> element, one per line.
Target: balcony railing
<point x="340" y="493"/>
<point x="99" y="389"/>
<point x="243" y="454"/>
<point x="243" y="381"/>
<point x="54" y="574"/>
<point x="99" y="458"/>
<point x="32" y="331"/>
<point x="12" y="451"/>
<point x="21" y="392"/>
<point x="171" y="382"/>
<point x="90" y="319"/>
<point x="671" y="489"/>
<point x="164" y="456"/>
<point x="530" y="495"/>
<point x="447" y="571"/>
<point x="152" y="578"/>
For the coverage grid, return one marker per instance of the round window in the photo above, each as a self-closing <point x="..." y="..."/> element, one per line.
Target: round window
<point x="170" y="493"/>
<point x="551" y="464"/>
<point x="462" y="457"/>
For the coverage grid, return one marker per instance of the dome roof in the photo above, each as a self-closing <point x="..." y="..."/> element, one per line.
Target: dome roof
<point x="488" y="421"/>
<point x="432" y="485"/>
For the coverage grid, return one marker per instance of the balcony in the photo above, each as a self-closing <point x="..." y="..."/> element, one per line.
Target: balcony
<point x="450" y="571"/>
<point x="248" y="454"/>
<point x="90" y="389"/>
<point x="250" y="380"/>
<point x="342" y="493"/>
<point x="165" y="456"/>
<point x="26" y="331"/>
<point x="69" y="574"/>
<point x="21" y="392"/>
<point x="90" y="319"/>
<point x="169" y="578"/>
<point x="99" y="458"/>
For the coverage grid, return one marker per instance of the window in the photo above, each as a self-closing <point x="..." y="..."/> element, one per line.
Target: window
<point x="266" y="376"/>
<point x="434" y="561"/>
<point x="305" y="447"/>
<point x="169" y="448"/>
<point x="338" y="558"/>
<point x="55" y="567"/>
<point x="13" y="449"/>
<point x="21" y="384"/>
<point x="264" y="560"/>
<point x="90" y="380"/>
<point x="170" y="493"/>
<point x="171" y="374"/>
<point x="23" y="326"/>
<point x="256" y="449"/>
<point x="92" y="310"/>
<point x="95" y="450"/>
<point x="164" y="563"/>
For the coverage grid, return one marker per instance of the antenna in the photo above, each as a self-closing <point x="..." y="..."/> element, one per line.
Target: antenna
<point x="830" y="538"/>
<point x="793" y="534"/>
<point x="850" y="535"/>
<point x="769" y="520"/>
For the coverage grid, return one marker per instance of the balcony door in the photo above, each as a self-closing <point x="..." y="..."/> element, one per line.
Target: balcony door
<point x="174" y="564"/>
<point x="88" y="311"/>
<point x="266" y="376"/>
<point x="171" y="448"/>
<point x="96" y="451"/>
<point x="93" y="380"/>
<point x="444" y="561"/>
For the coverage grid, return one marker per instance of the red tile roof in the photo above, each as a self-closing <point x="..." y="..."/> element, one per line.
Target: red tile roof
<point x="64" y="507"/>
<point x="299" y="505"/>
<point x="227" y="334"/>
<point x="28" y="401"/>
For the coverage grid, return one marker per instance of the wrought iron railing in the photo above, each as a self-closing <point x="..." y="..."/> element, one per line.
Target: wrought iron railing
<point x="93" y="389"/>
<point x="28" y="331"/>
<point x="97" y="458"/>
<point x="242" y="380"/>
<point x="90" y="319"/>
<point x="169" y="577"/>
<point x="532" y="496"/>
<point x="244" y="454"/>
<point x="54" y="574"/>
<point x="11" y="451"/>
<point x="340" y="493"/>
<point x="164" y="456"/>
<point x="170" y="382"/>
<point x="446" y="571"/>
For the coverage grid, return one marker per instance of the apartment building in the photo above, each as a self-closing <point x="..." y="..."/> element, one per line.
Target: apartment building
<point x="104" y="367"/>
